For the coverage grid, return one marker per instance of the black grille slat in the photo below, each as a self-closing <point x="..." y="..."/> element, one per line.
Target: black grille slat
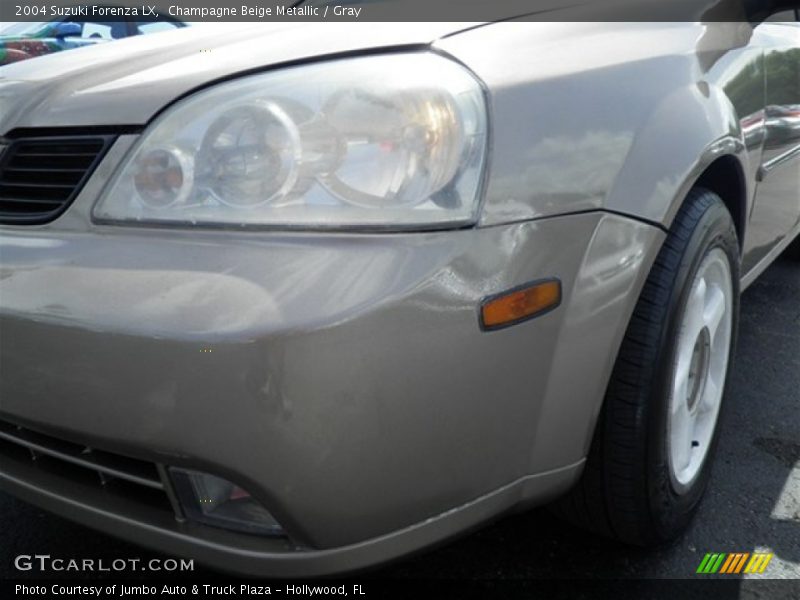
<point x="14" y="201"/>
<point x="40" y="177"/>
<point x="33" y="192"/>
<point x="56" y="155"/>
<point x="27" y="172"/>
<point x="16" y="185"/>
<point x="143" y="471"/>
<point x="70" y="177"/>
<point x="87" y="146"/>
<point x="55" y="162"/>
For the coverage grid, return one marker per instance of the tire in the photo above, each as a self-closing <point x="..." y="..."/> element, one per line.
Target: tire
<point x="793" y="251"/>
<point x="634" y="487"/>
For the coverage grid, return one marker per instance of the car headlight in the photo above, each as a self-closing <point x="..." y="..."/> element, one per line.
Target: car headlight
<point x="392" y="141"/>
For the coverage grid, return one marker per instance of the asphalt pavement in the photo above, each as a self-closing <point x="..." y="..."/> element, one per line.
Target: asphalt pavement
<point x="752" y="505"/>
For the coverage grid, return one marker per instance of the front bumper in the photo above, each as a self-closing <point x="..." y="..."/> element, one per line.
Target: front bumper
<point x="342" y="379"/>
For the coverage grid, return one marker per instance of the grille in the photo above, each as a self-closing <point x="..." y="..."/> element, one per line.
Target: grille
<point x="113" y="472"/>
<point x="39" y="177"/>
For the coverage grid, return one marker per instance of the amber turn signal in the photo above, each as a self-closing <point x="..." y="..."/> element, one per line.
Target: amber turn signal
<point x="520" y="304"/>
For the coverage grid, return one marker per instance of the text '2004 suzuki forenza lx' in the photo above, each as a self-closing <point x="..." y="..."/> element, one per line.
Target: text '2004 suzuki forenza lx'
<point x="324" y="295"/>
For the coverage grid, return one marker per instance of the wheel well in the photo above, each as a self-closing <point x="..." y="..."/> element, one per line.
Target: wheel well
<point x="725" y="178"/>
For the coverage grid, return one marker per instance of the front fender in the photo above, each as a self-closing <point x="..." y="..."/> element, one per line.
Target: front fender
<point x="670" y="153"/>
<point x="621" y="117"/>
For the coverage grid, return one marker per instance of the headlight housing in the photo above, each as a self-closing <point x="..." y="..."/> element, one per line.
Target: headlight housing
<point x="391" y="141"/>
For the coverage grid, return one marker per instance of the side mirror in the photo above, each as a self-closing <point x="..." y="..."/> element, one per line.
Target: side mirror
<point x="67" y="29"/>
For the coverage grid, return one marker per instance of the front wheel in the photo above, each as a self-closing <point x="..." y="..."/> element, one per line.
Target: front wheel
<point x="793" y="251"/>
<point x="651" y="454"/>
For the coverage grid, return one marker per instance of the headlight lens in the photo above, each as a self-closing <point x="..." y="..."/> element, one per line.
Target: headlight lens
<point x="395" y="141"/>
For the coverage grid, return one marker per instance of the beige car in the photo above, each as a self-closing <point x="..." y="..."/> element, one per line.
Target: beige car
<point x="299" y="299"/>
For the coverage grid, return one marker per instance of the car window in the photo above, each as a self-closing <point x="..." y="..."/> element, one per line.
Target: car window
<point x="102" y="30"/>
<point x="97" y="30"/>
<point x="155" y="26"/>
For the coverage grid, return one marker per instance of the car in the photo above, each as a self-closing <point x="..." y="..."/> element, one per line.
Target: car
<point x="302" y="298"/>
<point x="784" y="123"/>
<point x="24" y="40"/>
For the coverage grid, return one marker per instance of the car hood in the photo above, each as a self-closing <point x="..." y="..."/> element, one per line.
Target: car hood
<point x="129" y="81"/>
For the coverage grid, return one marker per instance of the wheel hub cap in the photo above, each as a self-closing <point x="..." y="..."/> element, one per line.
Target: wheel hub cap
<point x="700" y="368"/>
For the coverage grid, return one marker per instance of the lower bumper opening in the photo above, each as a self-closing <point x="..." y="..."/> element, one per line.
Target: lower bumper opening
<point x="110" y="473"/>
<point x="99" y="478"/>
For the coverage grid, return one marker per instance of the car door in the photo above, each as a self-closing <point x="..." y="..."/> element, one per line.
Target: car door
<point x="776" y="210"/>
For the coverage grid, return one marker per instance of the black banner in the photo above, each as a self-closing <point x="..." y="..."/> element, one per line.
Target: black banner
<point x="396" y="10"/>
<point x="371" y="589"/>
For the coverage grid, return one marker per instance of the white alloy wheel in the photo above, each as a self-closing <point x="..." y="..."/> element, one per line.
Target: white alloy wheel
<point x="701" y="365"/>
